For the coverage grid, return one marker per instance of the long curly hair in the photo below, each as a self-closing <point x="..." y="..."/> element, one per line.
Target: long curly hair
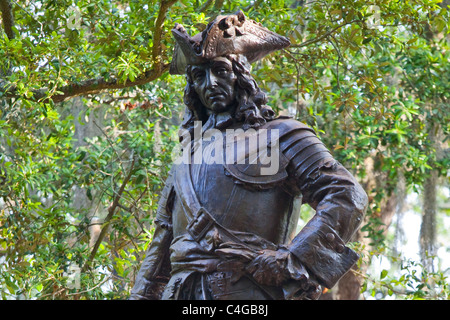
<point x="251" y="107"/>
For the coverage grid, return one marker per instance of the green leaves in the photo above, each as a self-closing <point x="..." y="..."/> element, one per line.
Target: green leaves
<point x="370" y="79"/>
<point x="414" y="283"/>
<point x="127" y="69"/>
<point x="52" y="179"/>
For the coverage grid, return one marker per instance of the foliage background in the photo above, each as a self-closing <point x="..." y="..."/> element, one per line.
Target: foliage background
<point x="89" y="116"/>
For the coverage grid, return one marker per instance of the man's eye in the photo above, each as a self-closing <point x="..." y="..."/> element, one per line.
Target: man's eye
<point x="221" y="70"/>
<point x="198" y="75"/>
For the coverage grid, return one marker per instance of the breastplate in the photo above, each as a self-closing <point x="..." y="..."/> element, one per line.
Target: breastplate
<point x="240" y="197"/>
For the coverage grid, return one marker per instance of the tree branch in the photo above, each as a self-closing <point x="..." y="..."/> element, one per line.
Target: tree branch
<point x="157" y="33"/>
<point x="325" y="35"/>
<point x="205" y="6"/>
<point x="111" y="210"/>
<point x="7" y="18"/>
<point x="8" y="23"/>
<point x="93" y="86"/>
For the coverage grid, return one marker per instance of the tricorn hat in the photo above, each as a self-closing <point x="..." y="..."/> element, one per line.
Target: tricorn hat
<point x="232" y="34"/>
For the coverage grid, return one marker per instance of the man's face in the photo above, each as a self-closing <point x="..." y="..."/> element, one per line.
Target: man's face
<point x="214" y="83"/>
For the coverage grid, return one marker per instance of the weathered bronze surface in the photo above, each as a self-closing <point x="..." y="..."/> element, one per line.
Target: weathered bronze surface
<point x="227" y="218"/>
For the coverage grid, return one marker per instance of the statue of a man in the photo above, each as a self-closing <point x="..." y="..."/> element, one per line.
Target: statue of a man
<point x="226" y="229"/>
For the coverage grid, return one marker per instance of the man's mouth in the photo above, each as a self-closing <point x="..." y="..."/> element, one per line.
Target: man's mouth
<point x="214" y="95"/>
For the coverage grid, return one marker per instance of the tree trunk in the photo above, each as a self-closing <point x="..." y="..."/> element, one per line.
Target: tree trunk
<point x="428" y="226"/>
<point x="427" y="237"/>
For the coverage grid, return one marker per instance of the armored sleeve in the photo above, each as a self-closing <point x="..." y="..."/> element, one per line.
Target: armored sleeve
<point x="339" y="201"/>
<point x="155" y="269"/>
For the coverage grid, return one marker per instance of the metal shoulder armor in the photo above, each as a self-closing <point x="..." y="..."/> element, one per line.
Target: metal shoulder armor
<point x="268" y="166"/>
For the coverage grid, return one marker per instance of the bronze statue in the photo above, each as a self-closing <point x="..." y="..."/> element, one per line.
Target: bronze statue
<point x="226" y="229"/>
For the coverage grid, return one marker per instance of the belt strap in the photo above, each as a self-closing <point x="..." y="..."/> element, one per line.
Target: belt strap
<point x="197" y="217"/>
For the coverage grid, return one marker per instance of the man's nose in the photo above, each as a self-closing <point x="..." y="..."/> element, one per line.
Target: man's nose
<point x="211" y="79"/>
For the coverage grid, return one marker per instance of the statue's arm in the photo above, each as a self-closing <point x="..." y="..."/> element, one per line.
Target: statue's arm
<point x="340" y="204"/>
<point x="155" y="269"/>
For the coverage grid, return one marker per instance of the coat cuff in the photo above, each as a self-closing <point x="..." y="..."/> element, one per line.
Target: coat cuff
<point x="147" y="290"/>
<point x="320" y="249"/>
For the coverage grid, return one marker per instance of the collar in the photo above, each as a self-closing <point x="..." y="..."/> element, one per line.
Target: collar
<point x="218" y="121"/>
